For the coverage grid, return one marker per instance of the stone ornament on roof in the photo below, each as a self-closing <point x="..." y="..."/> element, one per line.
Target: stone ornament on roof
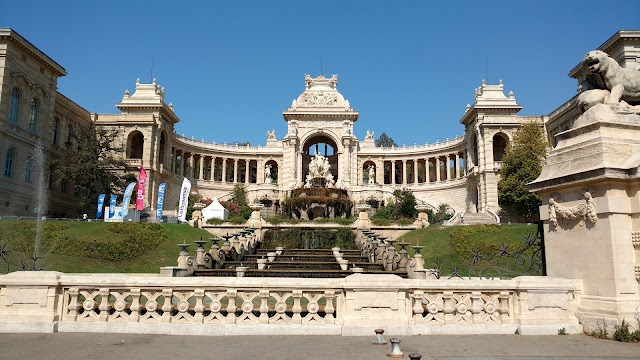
<point x="321" y="92"/>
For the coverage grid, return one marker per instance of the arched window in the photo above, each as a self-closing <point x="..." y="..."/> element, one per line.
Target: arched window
<point x="136" y="144"/>
<point x="15" y="106"/>
<point x="163" y="146"/>
<point x="56" y="125"/>
<point x="33" y="115"/>
<point x="27" y="170"/>
<point x="500" y="142"/>
<point x="9" y="162"/>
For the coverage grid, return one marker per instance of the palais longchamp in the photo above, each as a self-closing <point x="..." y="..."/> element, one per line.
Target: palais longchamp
<point x="320" y="143"/>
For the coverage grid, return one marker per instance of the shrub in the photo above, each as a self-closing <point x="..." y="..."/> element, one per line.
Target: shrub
<point x="237" y="220"/>
<point x="624" y="334"/>
<point x="215" y="221"/>
<point x="310" y="239"/>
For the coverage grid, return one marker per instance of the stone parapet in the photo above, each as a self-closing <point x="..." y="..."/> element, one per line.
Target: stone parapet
<point x="356" y="305"/>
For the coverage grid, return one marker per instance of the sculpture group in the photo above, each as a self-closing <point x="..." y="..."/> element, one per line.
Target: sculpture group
<point x="319" y="169"/>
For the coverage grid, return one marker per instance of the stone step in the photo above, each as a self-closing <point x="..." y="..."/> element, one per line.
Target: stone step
<point x="293" y="273"/>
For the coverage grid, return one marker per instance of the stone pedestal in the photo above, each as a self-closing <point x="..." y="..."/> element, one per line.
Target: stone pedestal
<point x="590" y="190"/>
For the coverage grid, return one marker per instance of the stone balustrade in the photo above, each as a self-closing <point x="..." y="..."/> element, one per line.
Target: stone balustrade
<point x="355" y="305"/>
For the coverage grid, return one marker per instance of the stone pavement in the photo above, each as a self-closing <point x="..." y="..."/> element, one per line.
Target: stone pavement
<point x="72" y="346"/>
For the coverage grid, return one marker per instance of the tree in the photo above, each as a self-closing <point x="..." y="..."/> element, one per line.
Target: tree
<point x="90" y="161"/>
<point x="385" y="141"/>
<point x="521" y="164"/>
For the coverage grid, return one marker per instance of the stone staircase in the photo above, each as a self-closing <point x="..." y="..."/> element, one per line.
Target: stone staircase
<point x="302" y="263"/>
<point x="475" y="219"/>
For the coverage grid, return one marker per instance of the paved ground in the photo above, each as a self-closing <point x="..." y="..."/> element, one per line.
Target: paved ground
<point x="70" y="346"/>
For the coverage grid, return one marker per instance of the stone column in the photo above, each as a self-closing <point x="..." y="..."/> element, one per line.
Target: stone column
<point x="427" y="175"/>
<point x="393" y="172"/>
<point x="404" y="172"/>
<point x="191" y="165"/>
<point x="235" y="171"/>
<point x="415" y="171"/>
<point x="224" y="170"/>
<point x="246" y="171"/>
<point x="448" y="167"/>
<point x="173" y="161"/>
<point x="181" y="168"/>
<point x="457" y="165"/>
<point x="201" y="168"/>
<point x="437" y="169"/>
<point x="212" y="166"/>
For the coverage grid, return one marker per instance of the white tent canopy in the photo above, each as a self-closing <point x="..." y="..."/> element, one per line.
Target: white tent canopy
<point x="215" y="211"/>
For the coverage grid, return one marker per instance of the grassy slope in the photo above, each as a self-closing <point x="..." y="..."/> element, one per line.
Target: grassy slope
<point x="434" y="238"/>
<point x="165" y="254"/>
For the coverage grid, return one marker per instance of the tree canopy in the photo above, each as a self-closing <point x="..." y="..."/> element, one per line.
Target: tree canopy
<point x="385" y="141"/>
<point x="521" y="164"/>
<point x="90" y="163"/>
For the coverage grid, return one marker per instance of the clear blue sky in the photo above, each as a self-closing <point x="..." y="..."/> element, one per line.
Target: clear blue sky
<point x="231" y="67"/>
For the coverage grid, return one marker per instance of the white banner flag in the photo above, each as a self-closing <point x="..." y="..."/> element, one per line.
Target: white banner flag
<point x="184" y="200"/>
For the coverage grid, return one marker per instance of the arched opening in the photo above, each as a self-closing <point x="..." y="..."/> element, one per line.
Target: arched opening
<point x="271" y="172"/>
<point x="369" y="173"/>
<point x="14" y="109"/>
<point x="321" y="145"/>
<point x="163" y="147"/>
<point x="500" y="142"/>
<point x="136" y="145"/>
<point x="474" y="149"/>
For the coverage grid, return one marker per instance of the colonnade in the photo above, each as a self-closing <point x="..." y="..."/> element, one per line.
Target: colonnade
<point x="432" y="169"/>
<point x="219" y="168"/>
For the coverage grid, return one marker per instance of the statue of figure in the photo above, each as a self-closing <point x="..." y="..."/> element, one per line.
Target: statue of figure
<point x="372" y="175"/>
<point x="271" y="135"/>
<point x="369" y="135"/>
<point x="267" y="174"/>
<point x="308" y="80"/>
<point x="294" y="104"/>
<point x="613" y="84"/>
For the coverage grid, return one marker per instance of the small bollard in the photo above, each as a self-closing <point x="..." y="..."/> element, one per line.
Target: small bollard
<point x="415" y="356"/>
<point x="395" y="352"/>
<point x="379" y="340"/>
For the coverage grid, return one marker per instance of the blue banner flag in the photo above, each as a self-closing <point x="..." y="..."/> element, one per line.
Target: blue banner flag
<point x="112" y="205"/>
<point x="100" y="205"/>
<point x="161" y="190"/>
<point x="126" y="198"/>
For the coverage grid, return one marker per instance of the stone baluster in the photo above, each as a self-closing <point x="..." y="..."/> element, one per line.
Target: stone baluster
<point x="404" y="256"/>
<point x="231" y="307"/>
<point x="264" y="306"/>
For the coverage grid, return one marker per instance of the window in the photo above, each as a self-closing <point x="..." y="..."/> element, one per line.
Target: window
<point x="56" y="124"/>
<point x="27" y="170"/>
<point x="9" y="162"/>
<point x="15" y="106"/>
<point x="33" y="115"/>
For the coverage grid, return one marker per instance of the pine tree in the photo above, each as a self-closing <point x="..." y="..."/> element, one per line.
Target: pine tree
<point x="385" y="141"/>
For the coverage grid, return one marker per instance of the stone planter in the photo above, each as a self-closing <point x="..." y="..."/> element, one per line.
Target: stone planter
<point x="279" y="250"/>
<point x="271" y="256"/>
<point x="344" y="264"/>
<point x="262" y="263"/>
<point x="241" y="270"/>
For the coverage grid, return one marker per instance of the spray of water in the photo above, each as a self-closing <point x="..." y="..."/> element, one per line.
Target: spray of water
<point x="41" y="199"/>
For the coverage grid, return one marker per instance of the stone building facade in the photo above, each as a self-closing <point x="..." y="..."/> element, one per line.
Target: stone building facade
<point x="462" y="172"/>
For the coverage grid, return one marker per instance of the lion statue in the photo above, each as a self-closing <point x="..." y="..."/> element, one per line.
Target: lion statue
<point x="614" y="84"/>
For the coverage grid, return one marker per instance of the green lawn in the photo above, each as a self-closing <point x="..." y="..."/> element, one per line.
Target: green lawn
<point x="83" y="247"/>
<point x="19" y="237"/>
<point x="438" y="246"/>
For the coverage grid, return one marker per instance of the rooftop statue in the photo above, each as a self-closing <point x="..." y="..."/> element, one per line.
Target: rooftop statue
<point x="613" y="84"/>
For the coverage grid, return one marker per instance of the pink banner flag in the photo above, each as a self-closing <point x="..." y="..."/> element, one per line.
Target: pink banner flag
<point x="142" y="181"/>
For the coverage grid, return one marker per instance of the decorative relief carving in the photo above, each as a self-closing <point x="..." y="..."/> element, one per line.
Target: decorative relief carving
<point x="638" y="273"/>
<point x="318" y="99"/>
<point x="585" y="211"/>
